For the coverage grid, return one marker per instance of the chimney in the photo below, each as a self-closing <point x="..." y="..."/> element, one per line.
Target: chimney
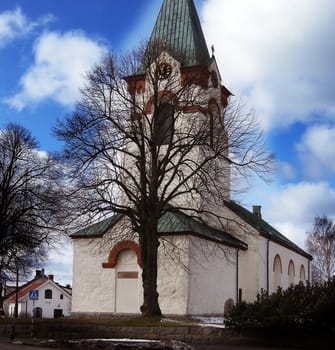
<point x="257" y="211"/>
<point x="51" y="277"/>
<point x="38" y="274"/>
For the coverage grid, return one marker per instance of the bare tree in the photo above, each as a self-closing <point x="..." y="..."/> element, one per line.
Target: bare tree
<point x="147" y="139"/>
<point x="29" y="199"/>
<point x="321" y="245"/>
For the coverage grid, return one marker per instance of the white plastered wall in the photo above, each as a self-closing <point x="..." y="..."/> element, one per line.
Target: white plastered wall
<point x="173" y="281"/>
<point x="212" y="278"/>
<point x="286" y="255"/>
<point x="264" y="273"/>
<point x="93" y="287"/>
<point x="253" y="261"/>
<point x="197" y="285"/>
<point x="248" y="261"/>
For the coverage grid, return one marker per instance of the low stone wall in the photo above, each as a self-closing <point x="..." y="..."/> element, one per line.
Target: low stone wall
<point x="74" y="330"/>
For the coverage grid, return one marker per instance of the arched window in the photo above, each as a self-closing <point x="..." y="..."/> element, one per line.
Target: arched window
<point x="291" y="273"/>
<point x="302" y="275"/>
<point x="48" y="294"/>
<point x="277" y="272"/>
<point x="214" y="118"/>
<point x="163" y="125"/>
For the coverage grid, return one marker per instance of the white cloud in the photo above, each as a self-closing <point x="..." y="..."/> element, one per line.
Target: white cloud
<point x="292" y="208"/>
<point x="14" y="24"/>
<point x="287" y="171"/>
<point x="61" y="61"/>
<point x="59" y="263"/>
<point x="317" y="151"/>
<point x="279" y="53"/>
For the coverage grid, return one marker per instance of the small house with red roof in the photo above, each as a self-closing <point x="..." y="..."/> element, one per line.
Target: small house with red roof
<point x="40" y="297"/>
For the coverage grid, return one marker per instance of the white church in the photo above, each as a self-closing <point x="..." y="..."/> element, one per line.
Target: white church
<point x="211" y="268"/>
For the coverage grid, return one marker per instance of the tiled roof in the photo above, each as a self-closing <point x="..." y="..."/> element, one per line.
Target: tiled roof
<point x="179" y="26"/>
<point x="177" y="222"/>
<point x="24" y="290"/>
<point x="170" y="223"/>
<point x="264" y="228"/>
<point x="97" y="229"/>
<point x="33" y="285"/>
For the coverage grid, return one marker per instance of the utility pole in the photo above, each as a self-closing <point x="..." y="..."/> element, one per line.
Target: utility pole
<point x="16" y="308"/>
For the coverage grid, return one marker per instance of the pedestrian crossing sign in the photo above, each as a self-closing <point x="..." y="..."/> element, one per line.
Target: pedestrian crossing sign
<point x="33" y="294"/>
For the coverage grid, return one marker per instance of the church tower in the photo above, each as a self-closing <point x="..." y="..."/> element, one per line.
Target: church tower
<point x="178" y="75"/>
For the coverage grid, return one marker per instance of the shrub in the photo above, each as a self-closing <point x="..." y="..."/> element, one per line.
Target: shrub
<point x="300" y="306"/>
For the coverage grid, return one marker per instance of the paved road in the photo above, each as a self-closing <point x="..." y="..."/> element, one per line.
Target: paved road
<point x="13" y="346"/>
<point x="234" y="347"/>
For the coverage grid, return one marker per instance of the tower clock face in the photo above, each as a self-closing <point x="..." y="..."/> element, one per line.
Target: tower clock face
<point x="163" y="70"/>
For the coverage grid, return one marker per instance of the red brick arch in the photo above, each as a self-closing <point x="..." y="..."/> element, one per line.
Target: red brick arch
<point x="163" y="96"/>
<point x="118" y="248"/>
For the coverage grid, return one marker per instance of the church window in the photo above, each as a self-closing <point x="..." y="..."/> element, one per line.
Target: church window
<point x="302" y="276"/>
<point x="277" y="272"/>
<point x="214" y="118"/>
<point x="48" y="294"/>
<point x="291" y="273"/>
<point x="163" y="127"/>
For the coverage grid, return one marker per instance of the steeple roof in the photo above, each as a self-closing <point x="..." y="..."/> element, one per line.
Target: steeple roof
<point x="178" y="28"/>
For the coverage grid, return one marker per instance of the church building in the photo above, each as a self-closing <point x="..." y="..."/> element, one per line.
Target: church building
<point x="203" y="268"/>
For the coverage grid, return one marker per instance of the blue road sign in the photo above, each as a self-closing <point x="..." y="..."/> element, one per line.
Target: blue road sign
<point x="33" y="294"/>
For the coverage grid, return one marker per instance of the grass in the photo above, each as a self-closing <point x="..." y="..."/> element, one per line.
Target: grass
<point x="136" y="321"/>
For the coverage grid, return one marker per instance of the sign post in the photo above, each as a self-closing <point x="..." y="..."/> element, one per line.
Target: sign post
<point x="33" y="295"/>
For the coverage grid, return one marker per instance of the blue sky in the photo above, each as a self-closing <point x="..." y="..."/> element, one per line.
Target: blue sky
<point x="278" y="56"/>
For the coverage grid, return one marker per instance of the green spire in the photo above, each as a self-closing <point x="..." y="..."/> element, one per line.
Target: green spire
<point x="178" y="29"/>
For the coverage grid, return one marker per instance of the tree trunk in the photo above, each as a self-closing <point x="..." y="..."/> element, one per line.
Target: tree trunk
<point x="1" y="298"/>
<point x="149" y="251"/>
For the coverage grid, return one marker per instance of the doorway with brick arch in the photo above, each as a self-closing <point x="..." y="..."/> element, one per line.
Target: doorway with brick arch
<point x="128" y="283"/>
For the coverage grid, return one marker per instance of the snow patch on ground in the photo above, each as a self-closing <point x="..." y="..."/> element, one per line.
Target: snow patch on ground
<point x="203" y="321"/>
<point x="217" y="322"/>
<point x="123" y="340"/>
<point x="120" y="343"/>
